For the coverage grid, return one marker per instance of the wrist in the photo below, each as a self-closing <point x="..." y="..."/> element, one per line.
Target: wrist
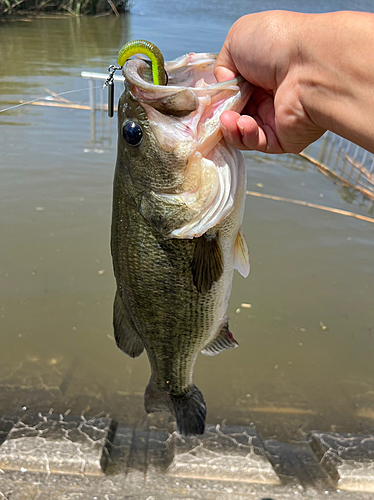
<point x="335" y="73"/>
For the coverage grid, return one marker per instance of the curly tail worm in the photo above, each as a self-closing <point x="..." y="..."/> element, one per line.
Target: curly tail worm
<point x="151" y="51"/>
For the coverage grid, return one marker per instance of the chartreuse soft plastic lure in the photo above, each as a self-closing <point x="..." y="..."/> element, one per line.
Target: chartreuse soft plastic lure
<point x="151" y="51"/>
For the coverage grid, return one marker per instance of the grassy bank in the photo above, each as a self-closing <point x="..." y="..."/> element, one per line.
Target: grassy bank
<point x="74" y="7"/>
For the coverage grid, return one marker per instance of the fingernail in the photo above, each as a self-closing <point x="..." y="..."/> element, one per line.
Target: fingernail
<point x="240" y="127"/>
<point x="224" y="130"/>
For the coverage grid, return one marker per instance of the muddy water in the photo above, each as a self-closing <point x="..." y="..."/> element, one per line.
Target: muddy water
<point x="304" y="318"/>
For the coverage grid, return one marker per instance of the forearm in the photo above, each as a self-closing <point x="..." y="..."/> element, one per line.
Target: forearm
<point x="335" y="73"/>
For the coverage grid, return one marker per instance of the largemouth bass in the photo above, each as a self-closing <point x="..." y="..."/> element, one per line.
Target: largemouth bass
<point x="178" y="202"/>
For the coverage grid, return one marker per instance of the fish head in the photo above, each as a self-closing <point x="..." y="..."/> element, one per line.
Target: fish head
<point x="170" y="138"/>
<point x="152" y="162"/>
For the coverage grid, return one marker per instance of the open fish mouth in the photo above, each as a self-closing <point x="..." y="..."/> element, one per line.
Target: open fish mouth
<point x="184" y="117"/>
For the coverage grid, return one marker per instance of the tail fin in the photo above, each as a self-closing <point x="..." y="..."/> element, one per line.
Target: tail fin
<point x="190" y="411"/>
<point x="189" y="408"/>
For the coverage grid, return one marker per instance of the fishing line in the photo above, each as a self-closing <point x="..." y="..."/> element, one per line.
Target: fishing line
<point x="47" y="97"/>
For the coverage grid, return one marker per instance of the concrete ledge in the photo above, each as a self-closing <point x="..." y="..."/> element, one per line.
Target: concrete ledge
<point x="223" y="454"/>
<point x="348" y="458"/>
<point x="56" y="456"/>
<point x="139" y="449"/>
<point x="57" y="444"/>
<point x="297" y="464"/>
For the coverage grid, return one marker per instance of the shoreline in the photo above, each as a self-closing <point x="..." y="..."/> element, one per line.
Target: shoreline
<point x="14" y="10"/>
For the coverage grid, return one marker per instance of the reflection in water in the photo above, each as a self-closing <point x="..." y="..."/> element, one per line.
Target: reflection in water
<point x="52" y="52"/>
<point x="54" y="46"/>
<point x="308" y="267"/>
<point x="347" y="194"/>
<point x="101" y="129"/>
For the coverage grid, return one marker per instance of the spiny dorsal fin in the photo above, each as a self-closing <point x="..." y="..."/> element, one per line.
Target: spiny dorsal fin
<point x="207" y="262"/>
<point x="126" y="337"/>
<point x="241" y="255"/>
<point x="224" y="340"/>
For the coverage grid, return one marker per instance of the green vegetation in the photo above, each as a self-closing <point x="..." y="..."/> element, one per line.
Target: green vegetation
<point x="74" y="7"/>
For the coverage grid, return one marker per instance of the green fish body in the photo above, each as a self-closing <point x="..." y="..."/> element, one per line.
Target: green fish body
<point x="178" y="202"/>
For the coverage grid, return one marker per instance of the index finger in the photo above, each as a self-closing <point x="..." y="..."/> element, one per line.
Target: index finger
<point x="225" y="68"/>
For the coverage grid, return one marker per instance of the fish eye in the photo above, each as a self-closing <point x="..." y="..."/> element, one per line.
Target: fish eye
<point x="132" y="133"/>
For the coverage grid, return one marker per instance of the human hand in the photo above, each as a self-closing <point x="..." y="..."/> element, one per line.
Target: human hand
<point x="265" y="48"/>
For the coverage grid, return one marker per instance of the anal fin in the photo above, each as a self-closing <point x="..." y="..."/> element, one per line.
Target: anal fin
<point x="241" y="255"/>
<point x="224" y="340"/>
<point x="127" y="338"/>
<point x="207" y="262"/>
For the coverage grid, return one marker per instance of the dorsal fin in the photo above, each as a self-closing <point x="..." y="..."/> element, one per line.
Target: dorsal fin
<point x="207" y="262"/>
<point x="224" y="340"/>
<point x="241" y="255"/>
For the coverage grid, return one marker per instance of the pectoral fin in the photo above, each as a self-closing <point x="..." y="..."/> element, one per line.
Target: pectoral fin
<point x="224" y="340"/>
<point x="207" y="262"/>
<point x="241" y="255"/>
<point x="126" y="337"/>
